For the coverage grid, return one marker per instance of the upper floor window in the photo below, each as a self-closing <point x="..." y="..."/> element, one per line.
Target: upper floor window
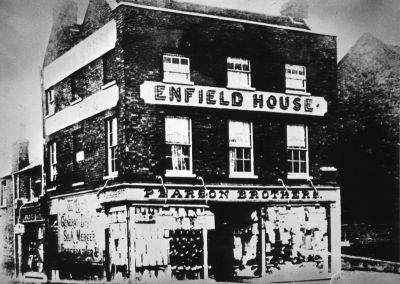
<point x="50" y="102"/>
<point x="297" y="147"/>
<point x="240" y="149"/>
<point x="176" y="68"/>
<point x="179" y="146"/>
<point x="3" y="196"/>
<point x="295" y="76"/>
<point x="108" y="67"/>
<point x="112" y="142"/>
<point x="239" y="73"/>
<point x="53" y="160"/>
<point x="74" y="88"/>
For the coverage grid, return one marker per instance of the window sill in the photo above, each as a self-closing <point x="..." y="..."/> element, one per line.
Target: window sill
<point x="3" y="206"/>
<point x="244" y="88"/>
<point x="298" y="176"/>
<point x="49" y="115"/>
<point x="179" y="174"/>
<point x="78" y="184"/>
<point x="300" y="93"/>
<point x="112" y="176"/>
<point x="190" y="83"/>
<point x="244" y="175"/>
<point x="51" y="189"/>
<point x="108" y="85"/>
<point x="75" y="102"/>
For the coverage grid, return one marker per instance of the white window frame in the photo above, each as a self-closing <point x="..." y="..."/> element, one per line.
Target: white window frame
<point x="232" y="148"/>
<point x="296" y="162"/>
<point x="296" y="79"/>
<point x="180" y="173"/>
<point x="112" y="144"/>
<point x="50" y="102"/>
<point x="236" y="67"/>
<point x="174" y="71"/>
<point x="53" y="160"/>
<point x="3" y="195"/>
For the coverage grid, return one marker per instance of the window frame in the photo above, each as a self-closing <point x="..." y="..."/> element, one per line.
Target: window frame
<point x="243" y="174"/>
<point x="231" y="60"/>
<point x="53" y="161"/>
<point x="179" y="173"/>
<point x="291" y="174"/>
<point x="112" y="149"/>
<point x="169" y="69"/>
<point x="299" y="77"/>
<point x="50" y="103"/>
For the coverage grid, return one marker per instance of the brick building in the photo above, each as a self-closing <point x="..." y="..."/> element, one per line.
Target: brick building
<point x="188" y="142"/>
<point x="7" y="227"/>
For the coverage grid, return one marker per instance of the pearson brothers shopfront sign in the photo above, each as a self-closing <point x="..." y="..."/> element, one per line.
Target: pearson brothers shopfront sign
<point x="222" y="98"/>
<point x="219" y="195"/>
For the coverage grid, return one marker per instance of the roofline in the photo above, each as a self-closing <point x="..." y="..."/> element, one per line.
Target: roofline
<point x="223" y="18"/>
<point x="27" y="168"/>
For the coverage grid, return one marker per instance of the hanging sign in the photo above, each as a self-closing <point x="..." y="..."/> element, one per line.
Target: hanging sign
<point x="235" y="99"/>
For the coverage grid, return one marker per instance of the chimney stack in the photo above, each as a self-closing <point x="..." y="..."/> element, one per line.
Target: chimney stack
<point x="296" y="9"/>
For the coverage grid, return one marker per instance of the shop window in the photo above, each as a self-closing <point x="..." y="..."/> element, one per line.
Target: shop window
<point x="3" y="197"/>
<point x="50" y="102"/>
<point x="53" y="160"/>
<point x="239" y="74"/>
<point x="176" y="69"/>
<point x="108" y="64"/>
<point x="297" y="151"/>
<point x="112" y="142"/>
<point x="179" y="148"/>
<point x="295" y="79"/>
<point x="240" y="149"/>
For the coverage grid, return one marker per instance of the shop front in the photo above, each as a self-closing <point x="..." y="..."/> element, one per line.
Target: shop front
<point x="76" y="238"/>
<point x="184" y="232"/>
<point x="30" y="242"/>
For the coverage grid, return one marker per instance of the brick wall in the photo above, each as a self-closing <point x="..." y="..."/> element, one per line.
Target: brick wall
<point x="142" y="37"/>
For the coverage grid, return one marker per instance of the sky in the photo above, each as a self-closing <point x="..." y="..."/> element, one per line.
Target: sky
<point x="25" y="29"/>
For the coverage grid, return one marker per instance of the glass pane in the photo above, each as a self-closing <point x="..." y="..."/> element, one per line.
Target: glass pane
<point x="230" y="66"/>
<point x="239" y="154"/>
<point x="167" y="59"/>
<point x="302" y="155"/>
<point x="247" y="166"/>
<point x="303" y="167"/>
<point x="184" y="61"/>
<point x="238" y="66"/>
<point x="247" y="153"/>
<point x="246" y="67"/>
<point x="239" y="166"/>
<point x="175" y="60"/>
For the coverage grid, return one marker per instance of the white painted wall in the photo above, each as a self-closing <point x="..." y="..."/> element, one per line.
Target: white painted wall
<point x="81" y="54"/>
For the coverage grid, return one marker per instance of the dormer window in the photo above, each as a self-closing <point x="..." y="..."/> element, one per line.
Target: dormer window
<point x="295" y="79"/>
<point x="176" y="69"/>
<point x="239" y="73"/>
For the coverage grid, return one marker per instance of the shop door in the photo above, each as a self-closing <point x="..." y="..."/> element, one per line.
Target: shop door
<point x="234" y="245"/>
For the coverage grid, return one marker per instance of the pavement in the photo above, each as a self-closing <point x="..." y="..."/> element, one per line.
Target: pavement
<point x="343" y="277"/>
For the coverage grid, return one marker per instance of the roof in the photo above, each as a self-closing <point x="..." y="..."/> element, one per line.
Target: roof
<point x="27" y="168"/>
<point x="215" y="11"/>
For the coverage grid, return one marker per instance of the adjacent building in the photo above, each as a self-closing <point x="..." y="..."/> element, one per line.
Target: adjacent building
<point x="188" y="142"/>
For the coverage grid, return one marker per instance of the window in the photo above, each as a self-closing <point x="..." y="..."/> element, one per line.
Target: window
<point x="74" y="88"/>
<point x="238" y="73"/>
<point x="112" y="142"/>
<point x="3" y="197"/>
<point x="50" y="103"/>
<point x="295" y="79"/>
<point x="176" y="69"/>
<point x="179" y="148"/>
<point x="53" y="161"/>
<point x="240" y="149"/>
<point x="297" y="151"/>
<point x="108" y="67"/>
<point x="79" y="155"/>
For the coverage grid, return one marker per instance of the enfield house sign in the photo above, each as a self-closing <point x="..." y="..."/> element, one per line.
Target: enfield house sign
<point x="223" y="98"/>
